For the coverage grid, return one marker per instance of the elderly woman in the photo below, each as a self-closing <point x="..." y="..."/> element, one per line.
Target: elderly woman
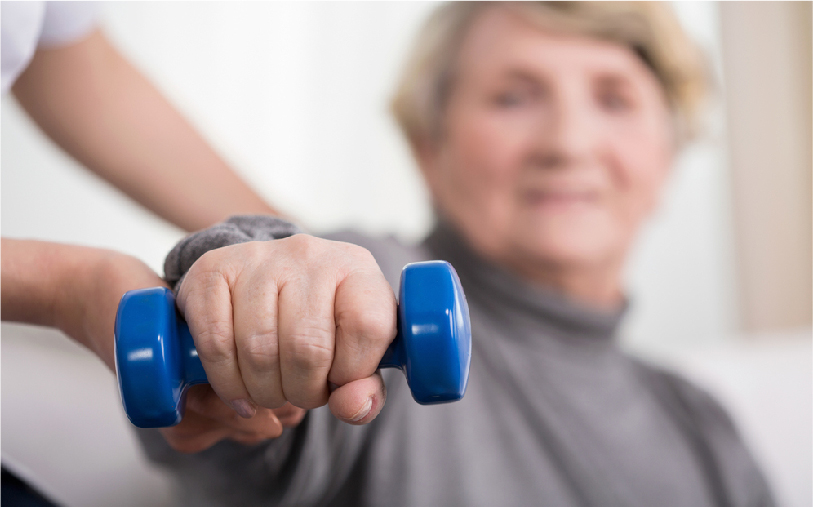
<point x="545" y="133"/>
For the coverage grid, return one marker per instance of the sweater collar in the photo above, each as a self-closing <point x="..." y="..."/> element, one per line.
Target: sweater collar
<point x="512" y="298"/>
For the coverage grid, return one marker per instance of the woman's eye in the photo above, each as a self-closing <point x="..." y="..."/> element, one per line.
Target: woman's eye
<point x="614" y="102"/>
<point x="512" y="99"/>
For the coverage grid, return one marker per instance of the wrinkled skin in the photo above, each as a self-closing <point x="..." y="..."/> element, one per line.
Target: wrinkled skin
<point x="554" y="150"/>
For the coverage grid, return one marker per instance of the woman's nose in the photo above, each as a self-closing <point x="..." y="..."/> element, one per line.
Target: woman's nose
<point x="566" y="133"/>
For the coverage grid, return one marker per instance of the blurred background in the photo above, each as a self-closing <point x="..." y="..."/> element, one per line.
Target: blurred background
<point x="295" y="96"/>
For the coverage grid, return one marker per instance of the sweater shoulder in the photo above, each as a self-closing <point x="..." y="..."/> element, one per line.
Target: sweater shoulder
<point x="391" y="253"/>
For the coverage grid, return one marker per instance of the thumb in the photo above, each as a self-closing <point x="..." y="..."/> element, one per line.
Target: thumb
<point x="360" y="401"/>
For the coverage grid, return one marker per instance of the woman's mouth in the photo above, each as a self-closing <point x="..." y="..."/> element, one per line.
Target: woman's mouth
<point x="560" y="200"/>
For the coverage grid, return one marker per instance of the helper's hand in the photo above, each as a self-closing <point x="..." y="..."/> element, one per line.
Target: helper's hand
<point x="77" y="289"/>
<point x="298" y="320"/>
<point x="90" y="302"/>
<point x="208" y="420"/>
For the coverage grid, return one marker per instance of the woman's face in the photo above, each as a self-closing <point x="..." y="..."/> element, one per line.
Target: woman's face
<point x="554" y="147"/>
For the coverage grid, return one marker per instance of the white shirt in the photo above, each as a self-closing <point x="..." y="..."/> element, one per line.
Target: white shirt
<point x="28" y="25"/>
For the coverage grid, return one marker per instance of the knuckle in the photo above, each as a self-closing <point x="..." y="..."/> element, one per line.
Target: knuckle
<point x="206" y="266"/>
<point x="310" y="349"/>
<point x="369" y="325"/>
<point x="267" y="398"/>
<point x="311" y="401"/>
<point x="303" y="246"/>
<point x="202" y="279"/>
<point x="256" y="251"/>
<point x="208" y="260"/>
<point x="259" y="350"/>
<point x="266" y="390"/>
<point x="215" y="343"/>
<point x="266" y="393"/>
<point x="359" y="255"/>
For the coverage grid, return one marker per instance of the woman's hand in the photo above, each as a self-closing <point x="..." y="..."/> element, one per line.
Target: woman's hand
<point x="298" y="320"/>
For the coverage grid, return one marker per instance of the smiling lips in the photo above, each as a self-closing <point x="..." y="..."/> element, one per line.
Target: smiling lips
<point x="560" y="199"/>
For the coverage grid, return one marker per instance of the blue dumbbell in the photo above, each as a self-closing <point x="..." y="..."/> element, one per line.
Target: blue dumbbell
<point x="156" y="359"/>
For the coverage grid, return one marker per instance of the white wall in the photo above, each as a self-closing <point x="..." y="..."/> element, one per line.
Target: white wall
<point x="295" y="96"/>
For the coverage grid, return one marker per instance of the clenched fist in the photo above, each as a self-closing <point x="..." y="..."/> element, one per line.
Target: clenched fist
<point x="299" y="320"/>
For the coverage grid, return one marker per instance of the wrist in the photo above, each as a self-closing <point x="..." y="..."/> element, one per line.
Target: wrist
<point x="95" y="290"/>
<point x="72" y="288"/>
<point x="34" y="279"/>
<point x="237" y="229"/>
<point x="73" y="295"/>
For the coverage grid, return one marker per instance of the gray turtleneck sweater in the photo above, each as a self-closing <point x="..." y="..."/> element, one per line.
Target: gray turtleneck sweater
<point x="555" y="414"/>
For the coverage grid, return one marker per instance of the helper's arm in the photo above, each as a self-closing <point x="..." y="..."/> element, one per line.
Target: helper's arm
<point x="103" y="112"/>
<point x="72" y="288"/>
<point x="77" y="290"/>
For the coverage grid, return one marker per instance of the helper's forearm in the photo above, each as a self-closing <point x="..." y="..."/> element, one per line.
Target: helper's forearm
<point x="72" y="288"/>
<point x="104" y="113"/>
<point x="36" y="279"/>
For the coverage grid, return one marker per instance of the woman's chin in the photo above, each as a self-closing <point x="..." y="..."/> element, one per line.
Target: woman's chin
<point x="573" y="250"/>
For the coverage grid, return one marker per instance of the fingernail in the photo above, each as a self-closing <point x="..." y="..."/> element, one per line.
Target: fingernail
<point x="361" y="414"/>
<point x="244" y="408"/>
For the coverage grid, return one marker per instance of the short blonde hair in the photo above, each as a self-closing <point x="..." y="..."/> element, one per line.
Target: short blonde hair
<point x="650" y="29"/>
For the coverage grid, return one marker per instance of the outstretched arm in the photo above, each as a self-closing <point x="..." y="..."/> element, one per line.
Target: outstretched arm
<point x="95" y="105"/>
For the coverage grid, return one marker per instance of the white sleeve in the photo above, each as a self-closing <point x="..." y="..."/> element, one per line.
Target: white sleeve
<point x="67" y="22"/>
